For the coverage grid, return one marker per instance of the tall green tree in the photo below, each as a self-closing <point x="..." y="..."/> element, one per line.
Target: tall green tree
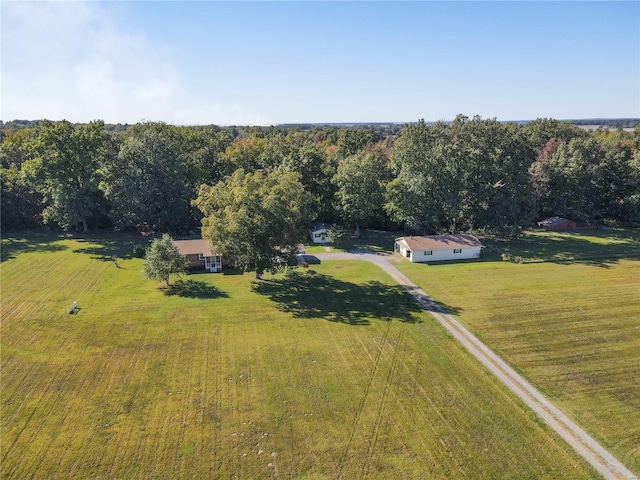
<point x="353" y="140"/>
<point x="16" y="147"/>
<point x="337" y="233"/>
<point x="361" y="182"/>
<point x="494" y="159"/>
<point x="67" y="171"/>
<point x="293" y="151"/>
<point x="631" y="202"/>
<point x="617" y="177"/>
<point x="587" y="180"/>
<point x="542" y="130"/>
<point x="297" y="152"/>
<point x="472" y="173"/>
<point x="21" y="205"/>
<point x="255" y="220"/>
<point x="425" y="193"/>
<point x="247" y="152"/>
<point x="149" y="184"/>
<point x="565" y="179"/>
<point x="162" y="259"/>
<point x="202" y="150"/>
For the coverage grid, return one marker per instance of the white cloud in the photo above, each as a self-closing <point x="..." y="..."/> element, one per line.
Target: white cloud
<point x="69" y="60"/>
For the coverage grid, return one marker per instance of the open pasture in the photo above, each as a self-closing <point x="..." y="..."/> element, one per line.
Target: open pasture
<point x="567" y="318"/>
<point x="331" y="372"/>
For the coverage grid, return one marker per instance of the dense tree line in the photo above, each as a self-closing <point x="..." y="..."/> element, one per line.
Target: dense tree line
<point x="468" y="174"/>
<point x="607" y="123"/>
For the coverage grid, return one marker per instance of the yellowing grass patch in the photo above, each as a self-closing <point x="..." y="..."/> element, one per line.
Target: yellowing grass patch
<point x="325" y="373"/>
<point x="570" y="326"/>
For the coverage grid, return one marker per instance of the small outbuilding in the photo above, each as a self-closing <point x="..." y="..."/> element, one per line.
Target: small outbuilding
<point x="438" y="248"/>
<point x="319" y="232"/>
<point x="199" y="254"/>
<point x="557" y="223"/>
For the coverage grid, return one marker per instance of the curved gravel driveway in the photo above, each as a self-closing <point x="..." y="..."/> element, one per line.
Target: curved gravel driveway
<point x="607" y="465"/>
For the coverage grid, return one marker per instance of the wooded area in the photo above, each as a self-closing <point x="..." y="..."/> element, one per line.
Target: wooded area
<point x="469" y="174"/>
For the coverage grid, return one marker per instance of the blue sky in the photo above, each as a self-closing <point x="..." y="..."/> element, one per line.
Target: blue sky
<point x="263" y="63"/>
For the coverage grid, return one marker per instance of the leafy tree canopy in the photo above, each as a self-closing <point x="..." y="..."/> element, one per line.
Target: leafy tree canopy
<point x="148" y="183"/>
<point x="472" y="173"/>
<point x="255" y="220"/>
<point x="162" y="259"/>
<point x="361" y="180"/>
<point x="337" y="233"/>
<point x="67" y="170"/>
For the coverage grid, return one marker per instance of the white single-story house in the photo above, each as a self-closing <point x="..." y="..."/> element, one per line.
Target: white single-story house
<point x="199" y="255"/>
<point x="319" y="232"/>
<point x="437" y="248"/>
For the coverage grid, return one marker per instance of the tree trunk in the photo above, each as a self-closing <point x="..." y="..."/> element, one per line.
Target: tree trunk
<point x="85" y="227"/>
<point x="258" y="274"/>
<point x="167" y="281"/>
<point x="357" y="231"/>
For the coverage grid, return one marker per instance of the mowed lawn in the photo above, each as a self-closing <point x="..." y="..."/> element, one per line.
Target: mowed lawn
<point x="568" y="318"/>
<point x="330" y="372"/>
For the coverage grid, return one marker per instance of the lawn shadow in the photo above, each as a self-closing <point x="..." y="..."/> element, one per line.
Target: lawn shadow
<point x="568" y="248"/>
<point x="106" y="249"/>
<point x="232" y="271"/>
<point x="44" y="243"/>
<point x="194" y="289"/>
<point x="372" y="241"/>
<point x="313" y="295"/>
<point x="450" y="309"/>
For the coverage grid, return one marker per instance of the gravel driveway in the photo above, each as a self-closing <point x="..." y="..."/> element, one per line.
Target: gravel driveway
<point x="607" y="465"/>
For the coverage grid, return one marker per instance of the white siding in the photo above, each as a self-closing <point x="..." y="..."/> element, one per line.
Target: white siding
<point x="213" y="263"/>
<point x="401" y="249"/>
<point x="320" y="236"/>
<point x="445" y="254"/>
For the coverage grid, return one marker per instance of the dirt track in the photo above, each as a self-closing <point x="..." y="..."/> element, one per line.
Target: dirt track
<point x="608" y="466"/>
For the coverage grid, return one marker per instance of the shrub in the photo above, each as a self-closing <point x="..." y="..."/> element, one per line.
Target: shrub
<point x="139" y="251"/>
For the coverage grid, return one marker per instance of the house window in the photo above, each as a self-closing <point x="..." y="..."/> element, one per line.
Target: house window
<point x="317" y="235"/>
<point x="457" y="250"/>
<point x="428" y="252"/>
<point x="200" y="257"/>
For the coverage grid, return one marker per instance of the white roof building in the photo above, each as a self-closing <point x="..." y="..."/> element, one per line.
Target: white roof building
<point x="437" y="248"/>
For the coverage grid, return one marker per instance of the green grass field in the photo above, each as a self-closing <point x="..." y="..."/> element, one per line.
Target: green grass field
<point x="568" y="318"/>
<point x="330" y="372"/>
<point x="371" y="240"/>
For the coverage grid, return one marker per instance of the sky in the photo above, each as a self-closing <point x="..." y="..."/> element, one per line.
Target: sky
<point x="264" y="63"/>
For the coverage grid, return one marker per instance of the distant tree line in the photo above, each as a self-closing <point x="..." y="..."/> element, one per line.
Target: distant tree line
<point x="608" y="123"/>
<point x="469" y="174"/>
